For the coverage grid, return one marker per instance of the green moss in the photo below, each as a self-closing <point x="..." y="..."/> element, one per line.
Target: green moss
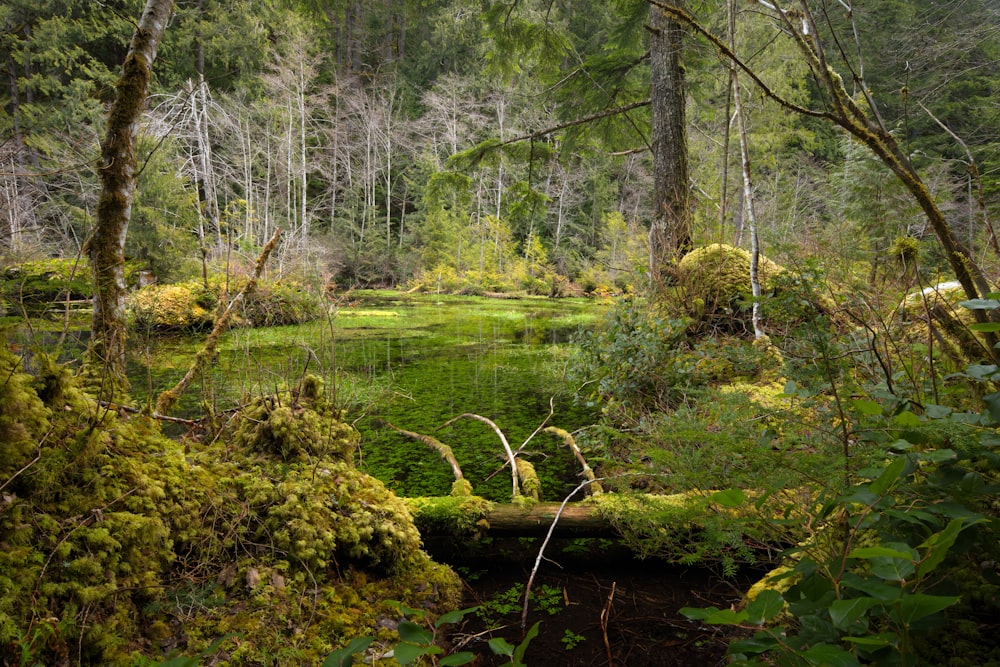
<point x="462" y="516"/>
<point x="715" y="280"/>
<point x="118" y="541"/>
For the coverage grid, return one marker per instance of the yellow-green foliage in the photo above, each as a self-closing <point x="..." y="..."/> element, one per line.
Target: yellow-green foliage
<point x="179" y="306"/>
<point x="715" y="279"/>
<point x="118" y="542"/>
<point x="653" y="524"/>
<point x="191" y="305"/>
<point x="461" y="516"/>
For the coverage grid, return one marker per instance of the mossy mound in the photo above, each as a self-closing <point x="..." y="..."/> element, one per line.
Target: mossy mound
<point x="192" y="306"/>
<point x="119" y="545"/>
<point x="715" y="280"/>
<point x="933" y="318"/>
<point x="179" y="306"/>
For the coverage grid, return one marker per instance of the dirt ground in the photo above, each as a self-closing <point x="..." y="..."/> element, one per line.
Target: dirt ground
<point x="595" y="609"/>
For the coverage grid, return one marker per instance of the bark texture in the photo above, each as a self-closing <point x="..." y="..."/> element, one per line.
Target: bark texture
<point x="670" y="232"/>
<point x="117" y="170"/>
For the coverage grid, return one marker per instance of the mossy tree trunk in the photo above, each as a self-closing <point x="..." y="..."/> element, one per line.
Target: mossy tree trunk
<point x="117" y="171"/>
<point x="670" y="232"/>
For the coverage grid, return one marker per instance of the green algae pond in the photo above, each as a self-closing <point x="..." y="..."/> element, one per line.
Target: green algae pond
<point x="415" y="361"/>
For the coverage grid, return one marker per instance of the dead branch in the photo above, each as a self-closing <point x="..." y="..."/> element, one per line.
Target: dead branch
<point x="118" y="407"/>
<point x="168" y="398"/>
<point x="569" y="441"/>
<point x="541" y="550"/>
<point x="605" y="617"/>
<point x="443" y="450"/>
<point x="503" y="439"/>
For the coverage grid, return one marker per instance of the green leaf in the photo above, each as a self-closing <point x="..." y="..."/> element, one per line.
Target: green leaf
<point x="406" y="653"/>
<point x="767" y="605"/>
<point x="980" y="304"/>
<point x="981" y="371"/>
<point x="411" y="632"/>
<point x="873" y="587"/>
<point x="938" y="411"/>
<point x="344" y="657"/>
<point x="901" y="445"/>
<point x="889" y="476"/>
<point x="455" y="659"/>
<point x="906" y="419"/>
<point x="938" y="455"/>
<point x="759" y="643"/>
<point x="865" y="406"/>
<point x="985" y="327"/>
<point x="937" y="546"/>
<point x="869" y="553"/>
<point x="845" y="613"/>
<point x="992" y="402"/>
<point x="790" y="388"/>
<point x="873" y="641"/>
<point x="501" y="646"/>
<point x="727" y="617"/>
<point x="453" y="616"/>
<point x="714" y="615"/>
<point x="915" y="607"/>
<point x="523" y="646"/>
<point x="829" y="655"/>
<point x="896" y="567"/>
<point x="730" y="498"/>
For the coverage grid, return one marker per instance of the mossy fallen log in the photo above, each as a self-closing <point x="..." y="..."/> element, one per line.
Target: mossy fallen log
<point x="605" y="516"/>
<point x="534" y="519"/>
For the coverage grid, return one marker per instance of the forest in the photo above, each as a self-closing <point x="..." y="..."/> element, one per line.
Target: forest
<point x="730" y="266"/>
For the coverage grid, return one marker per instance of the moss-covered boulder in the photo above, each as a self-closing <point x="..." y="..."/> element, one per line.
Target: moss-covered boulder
<point x="715" y="281"/>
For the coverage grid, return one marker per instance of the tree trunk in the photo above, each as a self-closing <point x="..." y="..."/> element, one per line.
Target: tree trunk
<point x="670" y="232"/>
<point x="117" y="171"/>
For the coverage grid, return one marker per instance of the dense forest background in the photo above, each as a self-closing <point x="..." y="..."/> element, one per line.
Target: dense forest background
<point x="829" y="407"/>
<point x="346" y="122"/>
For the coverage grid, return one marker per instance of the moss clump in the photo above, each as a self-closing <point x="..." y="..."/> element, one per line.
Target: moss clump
<point x="45" y="281"/>
<point x="293" y="428"/>
<point x="461" y="516"/>
<point x="120" y="545"/>
<point x="173" y="307"/>
<point x="192" y="306"/>
<point x="715" y="280"/>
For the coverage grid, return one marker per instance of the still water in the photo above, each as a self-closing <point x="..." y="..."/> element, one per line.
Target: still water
<point x="415" y="361"/>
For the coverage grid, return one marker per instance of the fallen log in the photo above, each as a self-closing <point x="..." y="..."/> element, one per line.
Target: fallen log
<point x="576" y="520"/>
<point x="604" y="516"/>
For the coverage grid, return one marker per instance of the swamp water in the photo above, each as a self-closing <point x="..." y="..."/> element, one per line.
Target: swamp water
<point x="415" y="361"/>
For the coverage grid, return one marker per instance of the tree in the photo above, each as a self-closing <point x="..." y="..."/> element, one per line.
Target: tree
<point x="117" y="171"/>
<point x="670" y="230"/>
<point x="859" y="116"/>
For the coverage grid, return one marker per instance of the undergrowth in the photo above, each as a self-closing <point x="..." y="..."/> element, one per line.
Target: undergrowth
<point x="121" y="545"/>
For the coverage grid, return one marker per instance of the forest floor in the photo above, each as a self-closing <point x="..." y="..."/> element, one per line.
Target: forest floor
<point x="606" y="609"/>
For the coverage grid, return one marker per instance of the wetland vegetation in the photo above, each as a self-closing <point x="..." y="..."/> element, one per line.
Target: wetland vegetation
<point x="499" y="332"/>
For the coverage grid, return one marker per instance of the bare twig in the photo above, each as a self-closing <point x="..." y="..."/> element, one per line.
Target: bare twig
<point x="503" y="439"/>
<point x="541" y="550"/>
<point x="168" y="398"/>
<point x="442" y="449"/>
<point x="605" y="617"/>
